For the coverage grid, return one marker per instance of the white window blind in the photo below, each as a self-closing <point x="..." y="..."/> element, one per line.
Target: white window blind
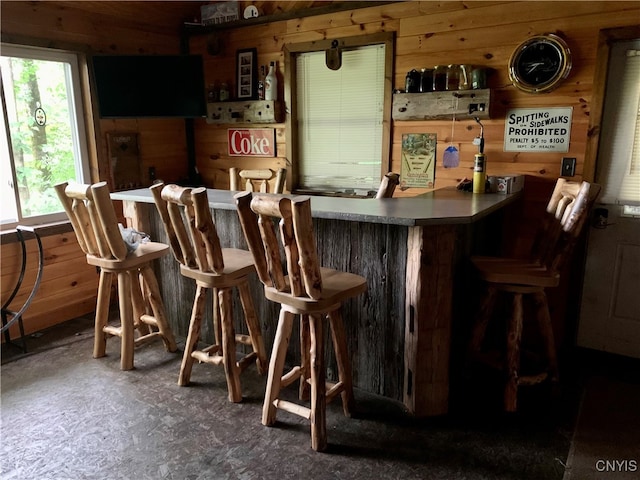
<point x="620" y="152"/>
<point x="340" y="120"/>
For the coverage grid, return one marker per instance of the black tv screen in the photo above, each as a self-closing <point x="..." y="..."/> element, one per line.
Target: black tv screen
<point x="150" y="86"/>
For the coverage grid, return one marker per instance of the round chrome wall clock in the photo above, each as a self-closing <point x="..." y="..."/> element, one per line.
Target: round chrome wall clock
<point x="540" y="63"/>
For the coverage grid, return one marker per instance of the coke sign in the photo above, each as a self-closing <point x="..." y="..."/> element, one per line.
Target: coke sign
<point x="252" y="142"/>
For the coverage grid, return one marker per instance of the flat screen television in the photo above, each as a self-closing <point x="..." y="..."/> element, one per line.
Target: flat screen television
<point x="150" y="86"/>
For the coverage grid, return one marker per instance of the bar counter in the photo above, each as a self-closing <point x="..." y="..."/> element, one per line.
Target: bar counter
<point x="412" y="252"/>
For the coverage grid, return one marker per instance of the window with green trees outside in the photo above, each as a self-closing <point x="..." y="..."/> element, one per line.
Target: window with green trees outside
<point x="43" y="139"/>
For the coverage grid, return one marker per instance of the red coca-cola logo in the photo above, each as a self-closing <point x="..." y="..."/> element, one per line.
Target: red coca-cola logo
<point x="252" y="142"/>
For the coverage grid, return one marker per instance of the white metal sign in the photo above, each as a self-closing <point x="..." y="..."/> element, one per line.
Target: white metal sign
<point x="538" y="129"/>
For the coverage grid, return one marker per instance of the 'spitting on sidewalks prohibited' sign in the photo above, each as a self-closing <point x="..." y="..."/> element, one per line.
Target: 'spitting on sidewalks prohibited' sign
<point x="538" y="129"/>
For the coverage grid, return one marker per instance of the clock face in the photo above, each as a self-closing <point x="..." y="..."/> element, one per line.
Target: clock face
<point x="539" y="64"/>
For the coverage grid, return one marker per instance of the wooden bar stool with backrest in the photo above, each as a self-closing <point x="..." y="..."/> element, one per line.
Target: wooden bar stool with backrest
<point x="196" y="247"/>
<point x="388" y="185"/>
<point x="94" y="221"/>
<point x="566" y="214"/>
<point x="306" y="290"/>
<point x="257" y="180"/>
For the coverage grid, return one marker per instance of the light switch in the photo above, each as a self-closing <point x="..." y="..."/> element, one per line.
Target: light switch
<point x="568" y="168"/>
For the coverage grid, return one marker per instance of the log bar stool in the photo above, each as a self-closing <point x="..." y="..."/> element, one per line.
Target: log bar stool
<point x="259" y="178"/>
<point x="388" y="185"/>
<point x="309" y="291"/>
<point x="93" y="218"/>
<point x="566" y="214"/>
<point x="220" y="269"/>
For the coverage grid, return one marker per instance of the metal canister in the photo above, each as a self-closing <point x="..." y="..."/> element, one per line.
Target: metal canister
<point x="465" y="77"/>
<point x="439" y="78"/>
<point x="479" y="174"/>
<point x="412" y="81"/>
<point x="479" y="78"/>
<point x="426" y="80"/>
<point x="453" y="77"/>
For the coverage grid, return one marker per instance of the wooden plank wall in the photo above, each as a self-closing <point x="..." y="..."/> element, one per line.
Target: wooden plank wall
<point x="430" y="33"/>
<point x="427" y="33"/>
<point x="68" y="287"/>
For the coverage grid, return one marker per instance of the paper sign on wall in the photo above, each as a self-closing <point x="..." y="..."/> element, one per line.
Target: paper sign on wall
<point x="418" y="160"/>
<point x="538" y="129"/>
<point x="252" y="142"/>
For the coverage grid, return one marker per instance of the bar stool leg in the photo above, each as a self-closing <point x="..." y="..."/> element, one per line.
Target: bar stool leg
<point x="126" y="320"/>
<point x="514" y="337"/>
<point x="276" y="366"/>
<point x="217" y="323"/>
<point x="102" y="314"/>
<point x="251" y="319"/>
<point x="305" y="362"/>
<point x="480" y="327"/>
<point x="318" y="385"/>
<point x="157" y="306"/>
<point x="342" y="359"/>
<point x="231" y="370"/>
<point x="137" y="302"/>
<point x="546" y="330"/>
<point x="193" y="336"/>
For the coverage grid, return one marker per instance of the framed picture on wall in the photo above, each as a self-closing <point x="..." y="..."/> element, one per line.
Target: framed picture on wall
<point x="247" y="74"/>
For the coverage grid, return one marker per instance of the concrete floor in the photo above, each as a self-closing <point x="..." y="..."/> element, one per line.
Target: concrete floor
<point x="68" y="416"/>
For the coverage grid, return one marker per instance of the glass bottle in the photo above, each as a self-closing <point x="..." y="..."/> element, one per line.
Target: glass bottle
<point x="261" y="84"/>
<point x="271" y="83"/>
<point x="212" y="93"/>
<point x="224" y="92"/>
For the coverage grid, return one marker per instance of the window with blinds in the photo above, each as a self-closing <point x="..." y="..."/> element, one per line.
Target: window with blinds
<point x="619" y="153"/>
<point x="340" y="116"/>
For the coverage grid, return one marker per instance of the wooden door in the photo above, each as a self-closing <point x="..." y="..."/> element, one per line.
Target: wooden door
<point x="610" y="311"/>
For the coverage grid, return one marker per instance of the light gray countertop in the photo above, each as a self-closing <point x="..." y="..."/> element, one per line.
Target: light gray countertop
<point x="444" y="206"/>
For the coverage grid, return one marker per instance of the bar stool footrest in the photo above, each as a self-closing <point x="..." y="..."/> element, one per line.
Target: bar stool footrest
<point x="291" y="376"/>
<point x="527" y="380"/>
<point x="247" y="360"/>
<point x="333" y="389"/>
<point x="144" y="339"/>
<point x="292" y="407"/>
<point x="243" y="339"/>
<point x="206" y="357"/>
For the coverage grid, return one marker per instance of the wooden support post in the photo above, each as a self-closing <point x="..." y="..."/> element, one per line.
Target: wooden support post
<point x="428" y="316"/>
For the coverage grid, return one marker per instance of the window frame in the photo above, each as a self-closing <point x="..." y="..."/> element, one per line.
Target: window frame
<point x="606" y="38"/>
<point x="290" y="88"/>
<point x="77" y="77"/>
<point x="615" y="139"/>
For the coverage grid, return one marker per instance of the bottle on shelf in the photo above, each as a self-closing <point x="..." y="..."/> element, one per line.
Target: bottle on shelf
<point x="213" y="92"/>
<point x="225" y="94"/>
<point x="271" y="83"/>
<point x="261" y="84"/>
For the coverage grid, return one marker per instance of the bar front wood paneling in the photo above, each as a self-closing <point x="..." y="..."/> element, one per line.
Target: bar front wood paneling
<point x="410" y="250"/>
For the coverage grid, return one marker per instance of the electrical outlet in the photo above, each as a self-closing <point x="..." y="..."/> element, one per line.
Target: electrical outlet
<point x="568" y="168"/>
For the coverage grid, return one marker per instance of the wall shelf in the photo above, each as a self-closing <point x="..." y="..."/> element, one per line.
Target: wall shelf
<point x="248" y="111"/>
<point x="324" y="9"/>
<point x="441" y="105"/>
